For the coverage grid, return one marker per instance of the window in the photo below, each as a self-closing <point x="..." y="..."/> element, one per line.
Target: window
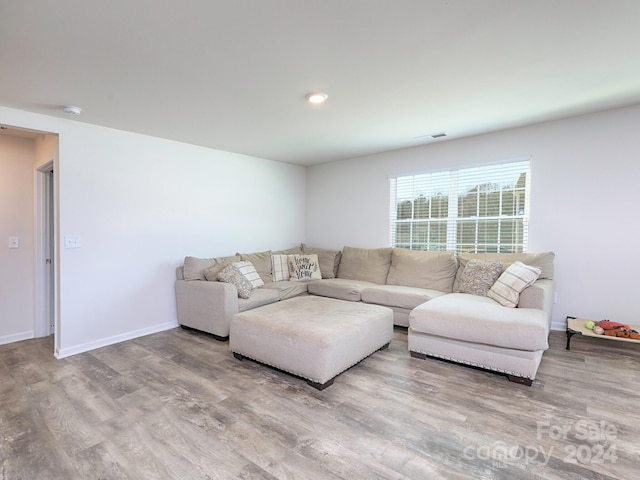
<point x="479" y="210"/>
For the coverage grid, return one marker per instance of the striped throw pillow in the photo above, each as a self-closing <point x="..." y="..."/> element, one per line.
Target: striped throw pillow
<point x="280" y="267"/>
<point x="249" y="271"/>
<point x="517" y="277"/>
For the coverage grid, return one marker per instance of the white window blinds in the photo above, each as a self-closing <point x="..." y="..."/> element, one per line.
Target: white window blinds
<point x="479" y="209"/>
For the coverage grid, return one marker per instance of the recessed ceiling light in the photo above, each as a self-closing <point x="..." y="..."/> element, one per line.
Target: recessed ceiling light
<point x="316" y="97"/>
<point x="71" y="110"/>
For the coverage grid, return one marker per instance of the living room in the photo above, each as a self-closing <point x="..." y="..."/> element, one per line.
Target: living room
<point x="134" y="233"/>
<point x="139" y="204"/>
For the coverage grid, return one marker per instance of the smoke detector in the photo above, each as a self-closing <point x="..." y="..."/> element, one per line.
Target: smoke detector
<point x="71" y="110"/>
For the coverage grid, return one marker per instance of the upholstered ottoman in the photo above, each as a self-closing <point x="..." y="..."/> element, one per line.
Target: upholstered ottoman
<point x="312" y="337"/>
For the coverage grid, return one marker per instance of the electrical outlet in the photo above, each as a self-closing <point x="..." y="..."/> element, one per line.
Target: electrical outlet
<point x="14" y="242"/>
<point x="71" y="241"/>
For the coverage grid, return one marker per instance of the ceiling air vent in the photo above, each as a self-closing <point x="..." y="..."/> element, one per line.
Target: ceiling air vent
<point x="431" y="135"/>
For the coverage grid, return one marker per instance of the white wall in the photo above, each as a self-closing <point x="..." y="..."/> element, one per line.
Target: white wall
<point x="584" y="202"/>
<point x="139" y="205"/>
<point x="17" y="156"/>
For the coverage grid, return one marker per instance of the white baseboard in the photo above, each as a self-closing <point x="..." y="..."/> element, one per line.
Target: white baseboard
<point x="16" y="337"/>
<point x="559" y="325"/>
<point x="85" y="347"/>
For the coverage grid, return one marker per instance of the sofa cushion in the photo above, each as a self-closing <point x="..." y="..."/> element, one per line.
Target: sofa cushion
<point x="258" y="298"/>
<point x="231" y="274"/>
<point x="366" y="265"/>
<point x="211" y="273"/>
<point x="262" y="262"/>
<point x="194" y="267"/>
<point x="329" y="260"/>
<point x="280" y="267"/>
<point x="287" y="289"/>
<point x="479" y="276"/>
<point x="298" y="250"/>
<point x="543" y="261"/>
<point x="481" y="320"/>
<point x="304" y="268"/>
<point x="398" y="295"/>
<point x="340" y="288"/>
<point x="517" y="277"/>
<point x="415" y="268"/>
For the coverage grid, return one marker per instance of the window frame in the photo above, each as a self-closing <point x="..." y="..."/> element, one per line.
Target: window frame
<point x="499" y="174"/>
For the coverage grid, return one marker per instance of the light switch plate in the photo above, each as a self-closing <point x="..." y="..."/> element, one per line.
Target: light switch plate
<point x="14" y="242"/>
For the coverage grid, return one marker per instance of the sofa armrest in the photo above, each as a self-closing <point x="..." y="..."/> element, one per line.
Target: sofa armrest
<point x="206" y="306"/>
<point x="539" y="295"/>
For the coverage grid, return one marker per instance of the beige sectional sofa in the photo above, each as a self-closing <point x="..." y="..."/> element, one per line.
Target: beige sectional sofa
<point x="422" y="288"/>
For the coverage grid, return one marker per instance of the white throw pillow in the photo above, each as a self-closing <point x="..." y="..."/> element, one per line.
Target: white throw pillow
<point x="304" y="267"/>
<point x="517" y="277"/>
<point x="280" y="267"/>
<point x="249" y="271"/>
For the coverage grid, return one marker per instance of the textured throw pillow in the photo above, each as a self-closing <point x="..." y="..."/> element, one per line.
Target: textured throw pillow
<point x="230" y="274"/>
<point x="479" y="276"/>
<point x="280" y="267"/>
<point x="517" y="277"/>
<point x="211" y="273"/>
<point x="304" y="267"/>
<point x="249" y="271"/>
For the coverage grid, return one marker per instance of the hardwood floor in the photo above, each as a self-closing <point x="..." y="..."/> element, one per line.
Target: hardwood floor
<point x="178" y="405"/>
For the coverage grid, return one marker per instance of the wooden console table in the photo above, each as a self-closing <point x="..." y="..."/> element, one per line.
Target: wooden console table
<point x="575" y="326"/>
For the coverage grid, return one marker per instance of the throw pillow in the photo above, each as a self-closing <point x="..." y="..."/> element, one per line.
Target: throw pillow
<point x="211" y="273"/>
<point x="517" y="277"/>
<point x="479" y="276"/>
<point x="280" y="267"/>
<point x="304" y="267"/>
<point x="230" y="274"/>
<point x="249" y="271"/>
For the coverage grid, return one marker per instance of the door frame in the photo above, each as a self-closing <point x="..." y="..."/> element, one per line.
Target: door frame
<point x="46" y="274"/>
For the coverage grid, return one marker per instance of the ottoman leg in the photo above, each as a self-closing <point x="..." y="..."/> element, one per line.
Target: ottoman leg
<point x="421" y="356"/>
<point x="522" y="380"/>
<point x="384" y="347"/>
<point x="238" y="356"/>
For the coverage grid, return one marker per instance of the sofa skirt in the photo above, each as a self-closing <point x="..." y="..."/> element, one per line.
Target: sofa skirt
<point x="519" y="363"/>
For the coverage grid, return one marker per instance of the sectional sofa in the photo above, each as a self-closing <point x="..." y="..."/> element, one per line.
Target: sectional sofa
<point x="450" y="302"/>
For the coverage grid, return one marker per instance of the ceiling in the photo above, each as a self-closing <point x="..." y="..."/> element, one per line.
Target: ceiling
<point x="232" y="74"/>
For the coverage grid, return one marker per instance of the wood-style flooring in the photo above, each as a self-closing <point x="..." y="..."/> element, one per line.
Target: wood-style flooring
<point x="178" y="405"/>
